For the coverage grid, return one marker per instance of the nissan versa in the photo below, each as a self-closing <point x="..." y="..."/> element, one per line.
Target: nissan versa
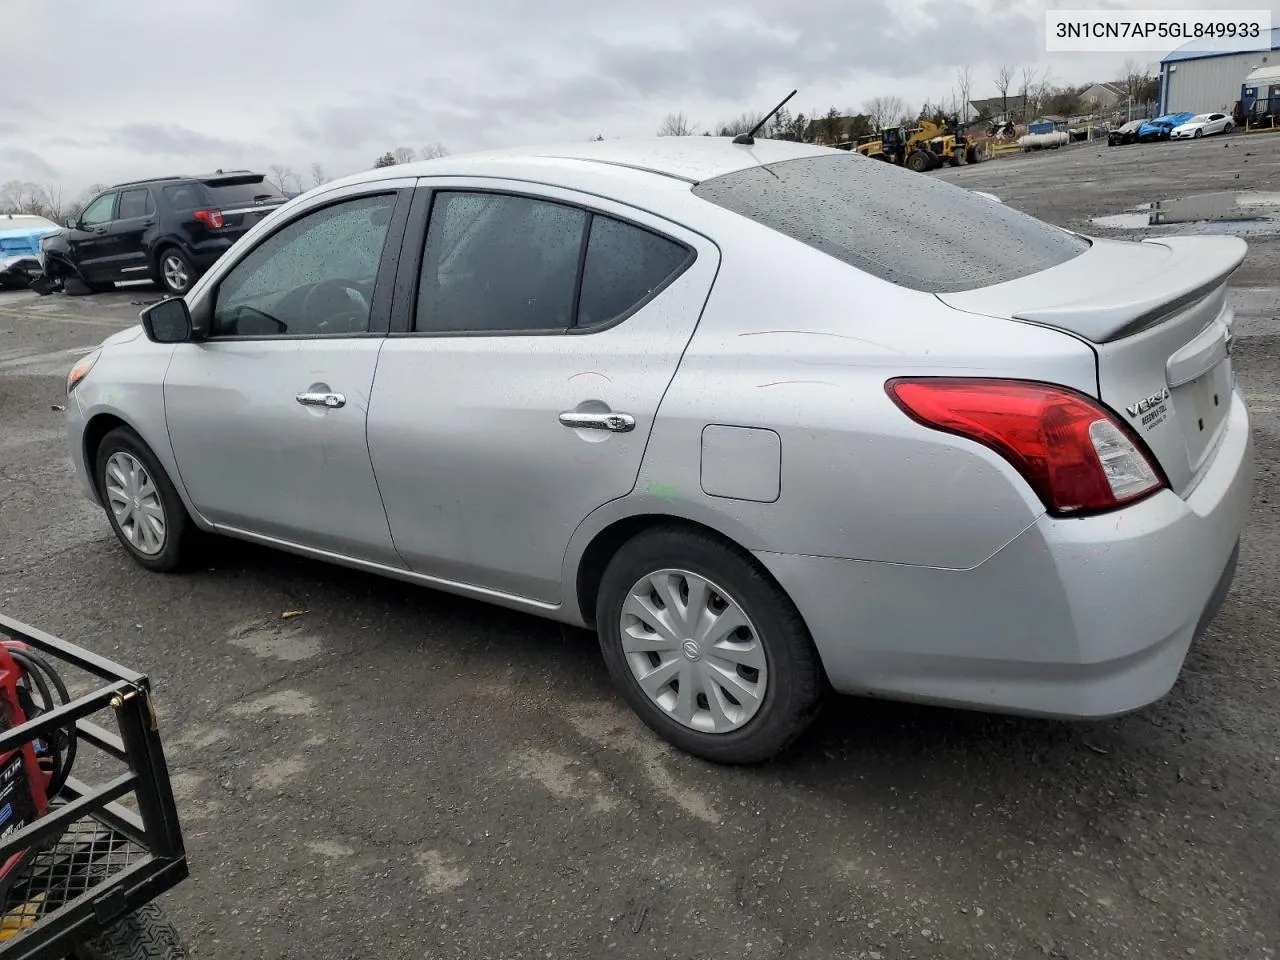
<point x="773" y="419"/>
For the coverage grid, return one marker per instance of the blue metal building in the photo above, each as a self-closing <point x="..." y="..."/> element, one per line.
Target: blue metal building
<point x="1203" y="76"/>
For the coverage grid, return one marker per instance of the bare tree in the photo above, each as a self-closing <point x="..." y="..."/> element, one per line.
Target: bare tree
<point x="1043" y="89"/>
<point x="279" y="177"/>
<point x="402" y="155"/>
<point x="1003" y="79"/>
<point x="964" y="85"/>
<point x="317" y="175"/>
<point x="433" y="151"/>
<point x="885" y="111"/>
<point x="675" y="125"/>
<point x="740" y="124"/>
<point x="1028" y="91"/>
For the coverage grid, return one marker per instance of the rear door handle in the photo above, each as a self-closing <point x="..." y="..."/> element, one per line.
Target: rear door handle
<point x="613" y="422"/>
<point x="321" y="399"/>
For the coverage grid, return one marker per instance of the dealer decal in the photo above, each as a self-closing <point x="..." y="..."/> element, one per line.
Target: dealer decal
<point x="1150" y="411"/>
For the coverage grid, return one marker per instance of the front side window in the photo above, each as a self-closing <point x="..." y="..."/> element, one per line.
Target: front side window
<point x="100" y="211"/>
<point x="915" y="231"/>
<point x="495" y="262"/>
<point x="314" y="277"/>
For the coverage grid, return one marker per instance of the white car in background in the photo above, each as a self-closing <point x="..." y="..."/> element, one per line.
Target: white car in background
<point x="1202" y="125"/>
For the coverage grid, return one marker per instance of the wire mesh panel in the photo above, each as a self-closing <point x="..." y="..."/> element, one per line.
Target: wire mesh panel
<point x="83" y="858"/>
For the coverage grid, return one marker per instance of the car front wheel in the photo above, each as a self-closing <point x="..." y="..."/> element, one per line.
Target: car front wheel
<point x="142" y="505"/>
<point x="706" y="648"/>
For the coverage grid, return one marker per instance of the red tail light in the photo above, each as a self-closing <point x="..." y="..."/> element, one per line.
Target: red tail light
<point x="210" y="218"/>
<point x="1074" y="453"/>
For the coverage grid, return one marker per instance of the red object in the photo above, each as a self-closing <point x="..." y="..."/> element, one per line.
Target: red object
<point x="210" y="218"/>
<point x="23" y="782"/>
<point x="1040" y="428"/>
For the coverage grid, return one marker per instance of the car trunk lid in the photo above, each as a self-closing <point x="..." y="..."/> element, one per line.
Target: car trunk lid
<point x="1156" y="315"/>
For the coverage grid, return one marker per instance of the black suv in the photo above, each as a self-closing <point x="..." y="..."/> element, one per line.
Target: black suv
<point x="168" y="229"/>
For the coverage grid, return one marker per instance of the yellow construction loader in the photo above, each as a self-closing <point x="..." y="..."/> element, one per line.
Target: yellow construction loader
<point x="922" y="148"/>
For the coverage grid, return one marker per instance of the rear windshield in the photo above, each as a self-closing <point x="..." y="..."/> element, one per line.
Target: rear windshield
<point x="227" y="193"/>
<point x="909" y="228"/>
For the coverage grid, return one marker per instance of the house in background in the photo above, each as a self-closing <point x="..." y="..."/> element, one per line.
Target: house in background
<point x="995" y="108"/>
<point x="1105" y="96"/>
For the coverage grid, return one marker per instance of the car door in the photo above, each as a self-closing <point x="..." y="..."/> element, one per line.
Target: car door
<point x="1217" y="123"/>
<point x="135" y="216"/>
<point x="534" y="334"/>
<point x="266" y="412"/>
<point x="90" y="241"/>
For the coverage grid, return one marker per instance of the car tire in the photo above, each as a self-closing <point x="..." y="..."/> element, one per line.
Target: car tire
<point x="174" y="271"/>
<point x="1198" y="134"/>
<point x="714" y="579"/>
<point x="135" y="491"/>
<point x="1228" y="128"/>
<point x="73" y="286"/>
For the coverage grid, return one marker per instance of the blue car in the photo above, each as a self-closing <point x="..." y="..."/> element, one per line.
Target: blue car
<point x="20" y="236"/>
<point x="1161" y="127"/>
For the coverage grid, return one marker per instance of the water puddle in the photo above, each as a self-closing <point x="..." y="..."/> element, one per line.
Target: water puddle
<point x="1239" y="214"/>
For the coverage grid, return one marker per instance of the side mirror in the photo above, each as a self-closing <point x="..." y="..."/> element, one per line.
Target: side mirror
<point x="73" y="223"/>
<point x="168" y="321"/>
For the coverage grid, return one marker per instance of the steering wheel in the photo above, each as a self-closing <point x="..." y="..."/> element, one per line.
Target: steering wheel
<point x="334" y="309"/>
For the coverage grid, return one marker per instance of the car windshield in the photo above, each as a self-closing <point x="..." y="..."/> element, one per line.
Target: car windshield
<point x="912" y="230"/>
<point x="1199" y="118"/>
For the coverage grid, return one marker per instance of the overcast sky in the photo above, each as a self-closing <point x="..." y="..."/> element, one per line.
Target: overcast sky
<point x="107" y="90"/>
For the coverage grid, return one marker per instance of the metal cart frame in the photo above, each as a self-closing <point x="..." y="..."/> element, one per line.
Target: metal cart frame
<point x="98" y="861"/>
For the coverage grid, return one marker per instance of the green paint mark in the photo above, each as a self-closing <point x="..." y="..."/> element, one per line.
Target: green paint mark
<point x="664" y="491"/>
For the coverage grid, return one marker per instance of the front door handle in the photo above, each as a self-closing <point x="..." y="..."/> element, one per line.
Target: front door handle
<point x="613" y="422"/>
<point x="321" y="399"/>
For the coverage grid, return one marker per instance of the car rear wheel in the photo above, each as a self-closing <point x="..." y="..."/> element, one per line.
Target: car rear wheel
<point x="143" y="507"/>
<point x="706" y="648"/>
<point x="176" y="272"/>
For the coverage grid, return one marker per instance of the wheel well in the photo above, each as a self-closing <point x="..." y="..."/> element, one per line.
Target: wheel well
<point x="161" y="248"/>
<point x="94" y="431"/>
<point x="611" y="539"/>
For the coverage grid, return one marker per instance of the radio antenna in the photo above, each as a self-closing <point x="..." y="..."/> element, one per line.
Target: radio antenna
<point x="749" y="138"/>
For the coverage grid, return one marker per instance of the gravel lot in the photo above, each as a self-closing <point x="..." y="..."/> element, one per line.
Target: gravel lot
<point x="398" y="773"/>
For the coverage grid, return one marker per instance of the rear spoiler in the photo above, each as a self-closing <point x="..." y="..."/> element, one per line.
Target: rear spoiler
<point x="1194" y="269"/>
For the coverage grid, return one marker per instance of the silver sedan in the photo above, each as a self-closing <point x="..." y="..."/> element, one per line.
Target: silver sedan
<point x="772" y="419"/>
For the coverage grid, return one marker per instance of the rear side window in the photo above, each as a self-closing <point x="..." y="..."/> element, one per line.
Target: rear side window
<point x="499" y="263"/>
<point x="908" y="228"/>
<point x="241" y="191"/>
<point x="134" y="203"/>
<point x="624" y="266"/>
<point x="186" y="196"/>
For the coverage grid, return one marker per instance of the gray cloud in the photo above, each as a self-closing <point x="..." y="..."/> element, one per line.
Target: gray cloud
<point x="340" y="82"/>
<point x="26" y="164"/>
<point x="173" y="139"/>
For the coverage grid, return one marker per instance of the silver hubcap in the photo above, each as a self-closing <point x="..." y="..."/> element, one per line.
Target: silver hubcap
<point x="175" y="273"/>
<point x="693" y="651"/>
<point x="135" y="502"/>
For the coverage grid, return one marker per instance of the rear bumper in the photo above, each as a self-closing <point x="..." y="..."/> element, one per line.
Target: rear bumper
<point x="1080" y="618"/>
<point x="206" y="253"/>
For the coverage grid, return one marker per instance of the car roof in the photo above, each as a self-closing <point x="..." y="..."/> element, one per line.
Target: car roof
<point x="687" y="159"/>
